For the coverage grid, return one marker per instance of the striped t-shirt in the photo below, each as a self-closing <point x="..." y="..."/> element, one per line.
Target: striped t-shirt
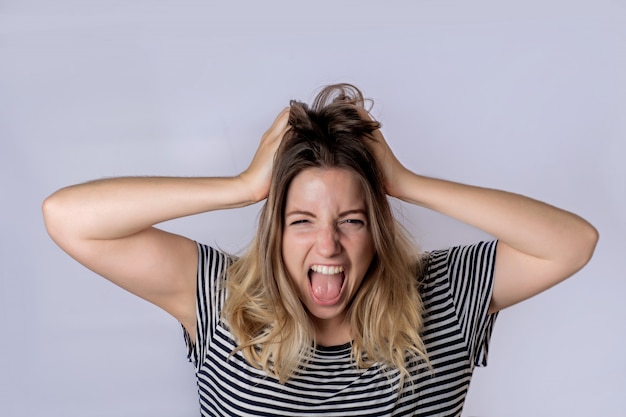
<point x="455" y="290"/>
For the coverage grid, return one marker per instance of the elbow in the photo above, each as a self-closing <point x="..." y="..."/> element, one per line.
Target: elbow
<point x="593" y="237"/>
<point x="586" y="244"/>
<point x="48" y="212"/>
<point x="52" y="211"/>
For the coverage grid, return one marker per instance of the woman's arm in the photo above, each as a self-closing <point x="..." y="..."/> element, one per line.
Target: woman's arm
<point x="107" y="225"/>
<point x="539" y="245"/>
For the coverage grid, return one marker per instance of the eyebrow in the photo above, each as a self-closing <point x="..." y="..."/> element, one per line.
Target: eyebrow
<point x="342" y="214"/>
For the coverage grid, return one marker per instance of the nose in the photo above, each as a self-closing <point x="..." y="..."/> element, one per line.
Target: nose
<point x="328" y="244"/>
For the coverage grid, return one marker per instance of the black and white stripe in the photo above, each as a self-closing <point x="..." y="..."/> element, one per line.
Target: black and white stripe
<point x="456" y="291"/>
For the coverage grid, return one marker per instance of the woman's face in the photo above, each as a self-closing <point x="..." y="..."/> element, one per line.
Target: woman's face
<point x="327" y="243"/>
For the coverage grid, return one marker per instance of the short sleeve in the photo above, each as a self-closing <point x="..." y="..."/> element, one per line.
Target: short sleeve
<point x="209" y="300"/>
<point x="470" y="276"/>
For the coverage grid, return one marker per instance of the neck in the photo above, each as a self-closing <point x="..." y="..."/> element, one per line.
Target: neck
<point x="332" y="332"/>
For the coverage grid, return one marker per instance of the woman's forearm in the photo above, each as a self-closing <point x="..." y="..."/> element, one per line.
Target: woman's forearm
<point x="119" y="207"/>
<point x="530" y="226"/>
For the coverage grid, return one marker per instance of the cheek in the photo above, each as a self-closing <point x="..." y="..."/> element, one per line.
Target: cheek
<point x="367" y="253"/>
<point x="293" y="251"/>
<point x="363" y="243"/>
<point x="297" y="242"/>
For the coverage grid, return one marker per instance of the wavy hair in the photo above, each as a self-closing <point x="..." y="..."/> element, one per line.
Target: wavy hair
<point x="262" y="309"/>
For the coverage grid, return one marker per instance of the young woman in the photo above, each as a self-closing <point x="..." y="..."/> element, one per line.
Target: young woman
<point x="331" y="311"/>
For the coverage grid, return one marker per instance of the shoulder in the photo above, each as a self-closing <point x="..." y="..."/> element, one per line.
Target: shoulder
<point x="213" y="265"/>
<point x="441" y="259"/>
<point x="213" y="257"/>
<point x="443" y="265"/>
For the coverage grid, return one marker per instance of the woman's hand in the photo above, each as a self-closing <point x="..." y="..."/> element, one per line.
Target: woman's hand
<point x="393" y="170"/>
<point x="258" y="175"/>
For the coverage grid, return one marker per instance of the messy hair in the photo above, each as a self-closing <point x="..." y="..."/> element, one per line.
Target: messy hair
<point x="272" y="327"/>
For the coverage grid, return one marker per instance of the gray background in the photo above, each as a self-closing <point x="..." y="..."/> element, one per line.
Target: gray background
<point x="528" y="96"/>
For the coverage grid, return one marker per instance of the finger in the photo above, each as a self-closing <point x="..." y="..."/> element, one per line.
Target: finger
<point x="278" y="127"/>
<point x="282" y="119"/>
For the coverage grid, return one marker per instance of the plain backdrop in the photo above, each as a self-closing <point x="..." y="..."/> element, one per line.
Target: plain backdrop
<point x="528" y="96"/>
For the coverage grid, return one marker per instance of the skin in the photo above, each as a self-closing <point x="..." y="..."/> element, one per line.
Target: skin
<point x="108" y="226"/>
<point x="326" y="225"/>
<point x="539" y="245"/>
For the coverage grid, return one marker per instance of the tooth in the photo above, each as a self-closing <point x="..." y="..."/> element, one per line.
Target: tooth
<point x="327" y="270"/>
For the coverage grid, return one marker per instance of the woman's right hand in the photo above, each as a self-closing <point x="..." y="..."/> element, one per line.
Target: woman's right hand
<point x="257" y="176"/>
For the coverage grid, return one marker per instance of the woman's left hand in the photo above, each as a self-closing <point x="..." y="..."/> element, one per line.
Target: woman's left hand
<point x="393" y="170"/>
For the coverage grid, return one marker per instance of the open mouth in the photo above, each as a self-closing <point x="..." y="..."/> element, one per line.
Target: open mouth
<point x="326" y="283"/>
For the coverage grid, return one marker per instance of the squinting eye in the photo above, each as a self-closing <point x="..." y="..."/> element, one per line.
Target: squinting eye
<point x="298" y="222"/>
<point x="353" y="222"/>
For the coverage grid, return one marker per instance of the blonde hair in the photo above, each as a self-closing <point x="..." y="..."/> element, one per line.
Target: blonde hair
<point x="262" y="309"/>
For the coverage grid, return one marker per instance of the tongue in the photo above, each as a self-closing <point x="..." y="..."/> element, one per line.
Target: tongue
<point x="326" y="287"/>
